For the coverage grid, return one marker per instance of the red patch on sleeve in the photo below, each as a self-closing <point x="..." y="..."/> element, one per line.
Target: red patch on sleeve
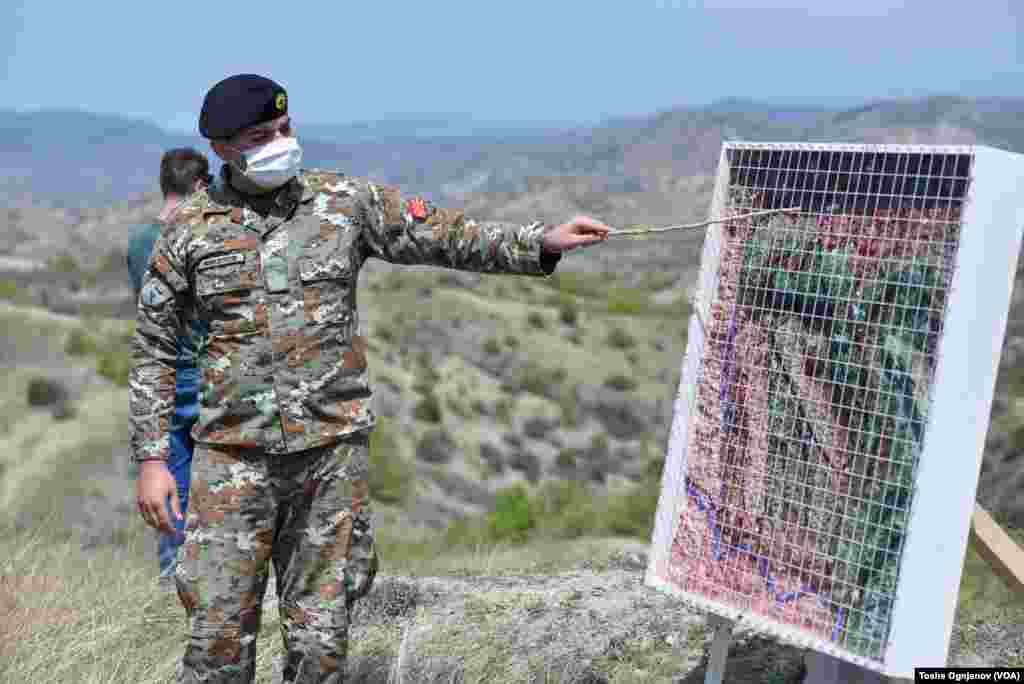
<point x="417" y="208"/>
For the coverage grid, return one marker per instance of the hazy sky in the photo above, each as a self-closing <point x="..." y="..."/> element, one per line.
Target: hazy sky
<point x="529" y="60"/>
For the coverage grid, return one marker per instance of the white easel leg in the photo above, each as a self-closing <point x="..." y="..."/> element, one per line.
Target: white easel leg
<point x="719" y="649"/>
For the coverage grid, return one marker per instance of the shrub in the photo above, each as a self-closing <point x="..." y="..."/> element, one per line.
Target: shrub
<point x="467" y="532"/>
<point x="536" y="320"/>
<point x="385" y="333"/>
<point x="45" y="392"/>
<point x="512" y="341"/>
<point x="568" y="311"/>
<point x="570" y="406"/>
<point x="620" y="339"/>
<point x="503" y="411"/>
<point x="65" y="263"/>
<point x="428" y="409"/>
<point x="115" y="366"/>
<point x="491" y="346"/>
<point x="655" y="280"/>
<point x="632" y="513"/>
<point x="626" y="301"/>
<point x="9" y="289"/>
<point x="534" y="379"/>
<point x="425" y="363"/>
<point x="620" y="383"/>
<point x="435" y="446"/>
<point x="512" y="518"/>
<point x="567" y="458"/>
<point x="599" y="444"/>
<point x="80" y="343"/>
<point x="458" y="408"/>
<point x="579" y="284"/>
<point x="568" y="510"/>
<point x="391" y="476"/>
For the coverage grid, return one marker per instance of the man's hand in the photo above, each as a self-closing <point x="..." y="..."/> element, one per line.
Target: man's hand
<point x="579" y="232"/>
<point x="152" y="486"/>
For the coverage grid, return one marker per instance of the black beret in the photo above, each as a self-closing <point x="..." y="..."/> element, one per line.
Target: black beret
<point x="238" y="102"/>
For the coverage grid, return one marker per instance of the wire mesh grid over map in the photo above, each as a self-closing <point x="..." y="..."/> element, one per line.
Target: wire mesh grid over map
<point x="820" y="332"/>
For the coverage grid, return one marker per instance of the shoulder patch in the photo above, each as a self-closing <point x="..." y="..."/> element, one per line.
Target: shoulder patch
<point x="154" y="293"/>
<point x="417" y="208"/>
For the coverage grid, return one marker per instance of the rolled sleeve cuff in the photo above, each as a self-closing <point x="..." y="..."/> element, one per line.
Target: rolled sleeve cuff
<point x="536" y="261"/>
<point x="158" y="449"/>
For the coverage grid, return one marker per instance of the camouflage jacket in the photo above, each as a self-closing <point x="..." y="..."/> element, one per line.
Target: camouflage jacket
<point x="272" y="279"/>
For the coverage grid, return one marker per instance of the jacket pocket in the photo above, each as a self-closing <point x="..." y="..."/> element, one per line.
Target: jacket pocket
<point x="326" y="282"/>
<point x="226" y="285"/>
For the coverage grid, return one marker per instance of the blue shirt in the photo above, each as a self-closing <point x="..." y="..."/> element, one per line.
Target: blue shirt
<point x="186" y="390"/>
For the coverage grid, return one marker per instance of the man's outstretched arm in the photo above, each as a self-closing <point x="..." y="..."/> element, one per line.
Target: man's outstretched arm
<point x="410" y="230"/>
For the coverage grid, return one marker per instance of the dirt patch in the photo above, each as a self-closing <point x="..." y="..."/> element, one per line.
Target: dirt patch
<point x="19" y="621"/>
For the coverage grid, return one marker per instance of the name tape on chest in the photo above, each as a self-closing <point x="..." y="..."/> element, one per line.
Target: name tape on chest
<point x="224" y="260"/>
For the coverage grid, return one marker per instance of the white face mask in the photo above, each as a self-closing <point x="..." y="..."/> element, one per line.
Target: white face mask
<point x="273" y="164"/>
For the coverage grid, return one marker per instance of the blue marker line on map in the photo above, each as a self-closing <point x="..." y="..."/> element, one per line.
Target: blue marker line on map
<point x="705" y="506"/>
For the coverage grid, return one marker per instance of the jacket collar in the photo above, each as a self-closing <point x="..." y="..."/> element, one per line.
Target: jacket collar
<point x="259" y="213"/>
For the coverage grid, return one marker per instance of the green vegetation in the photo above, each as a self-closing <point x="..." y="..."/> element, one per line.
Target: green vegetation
<point x="428" y="409"/>
<point x="115" y="365"/>
<point x="536" y="320"/>
<point x="391" y="475"/>
<point x="533" y="378"/>
<point x="622" y="383"/>
<point x="12" y="292"/>
<point x="111" y="351"/>
<point x="492" y="346"/>
<point x="65" y="263"/>
<point x="618" y="338"/>
<point x="627" y="301"/>
<point x="568" y="310"/>
<point x="565" y="509"/>
<point x="81" y="343"/>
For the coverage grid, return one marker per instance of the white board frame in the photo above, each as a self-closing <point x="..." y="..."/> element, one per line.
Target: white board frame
<point x="968" y="354"/>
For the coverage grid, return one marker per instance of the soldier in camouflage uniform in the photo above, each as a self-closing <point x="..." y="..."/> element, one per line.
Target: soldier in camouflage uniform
<point x="269" y="259"/>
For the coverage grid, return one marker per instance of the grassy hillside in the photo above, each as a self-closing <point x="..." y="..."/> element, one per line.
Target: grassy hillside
<point x="505" y="369"/>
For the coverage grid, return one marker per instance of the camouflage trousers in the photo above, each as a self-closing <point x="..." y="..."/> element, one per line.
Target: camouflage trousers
<point x="308" y="513"/>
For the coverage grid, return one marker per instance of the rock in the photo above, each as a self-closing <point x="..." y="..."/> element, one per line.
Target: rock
<point x="526" y="462"/>
<point x="436" y="446"/>
<point x="386" y="401"/>
<point x="622" y="417"/>
<point x="459" y="488"/>
<point x="537" y="427"/>
<point x="492" y="456"/>
<point x="512" y="439"/>
<point x="63" y="411"/>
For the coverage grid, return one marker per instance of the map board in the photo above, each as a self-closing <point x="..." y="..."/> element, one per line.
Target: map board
<point x="835" y="393"/>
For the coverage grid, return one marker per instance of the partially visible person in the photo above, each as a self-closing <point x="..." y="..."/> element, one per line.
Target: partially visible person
<point x="183" y="172"/>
